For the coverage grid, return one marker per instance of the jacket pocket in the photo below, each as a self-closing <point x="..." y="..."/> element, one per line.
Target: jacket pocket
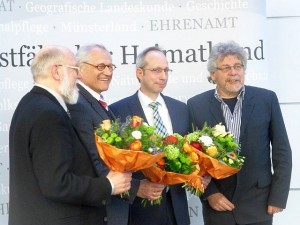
<point x="264" y="181"/>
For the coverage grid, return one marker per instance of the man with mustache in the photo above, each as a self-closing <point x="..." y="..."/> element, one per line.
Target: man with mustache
<point x="52" y="179"/>
<point x="253" y="116"/>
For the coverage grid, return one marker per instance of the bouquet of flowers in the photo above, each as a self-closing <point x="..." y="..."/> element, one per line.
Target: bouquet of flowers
<point x="217" y="150"/>
<point x="133" y="146"/>
<point x="178" y="166"/>
<point x="128" y="146"/>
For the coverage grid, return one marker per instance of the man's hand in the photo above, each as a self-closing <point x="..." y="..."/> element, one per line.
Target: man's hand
<point x="205" y="180"/>
<point x="149" y="190"/>
<point x="219" y="202"/>
<point x="120" y="181"/>
<point x="273" y="209"/>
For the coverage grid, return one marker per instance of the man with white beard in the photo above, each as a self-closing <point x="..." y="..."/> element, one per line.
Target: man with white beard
<point x="52" y="179"/>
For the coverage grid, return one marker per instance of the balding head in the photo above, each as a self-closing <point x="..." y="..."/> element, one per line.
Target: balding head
<point x="55" y="68"/>
<point x="46" y="58"/>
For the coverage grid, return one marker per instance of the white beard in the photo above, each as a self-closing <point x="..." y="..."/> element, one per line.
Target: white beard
<point x="70" y="94"/>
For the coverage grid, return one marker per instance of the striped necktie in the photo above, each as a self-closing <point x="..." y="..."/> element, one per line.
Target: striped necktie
<point x="158" y="123"/>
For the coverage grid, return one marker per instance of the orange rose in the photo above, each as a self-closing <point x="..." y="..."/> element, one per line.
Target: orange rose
<point x="193" y="157"/>
<point x="187" y="148"/>
<point x="136" y="145"/>
<point x="136" y="121"/>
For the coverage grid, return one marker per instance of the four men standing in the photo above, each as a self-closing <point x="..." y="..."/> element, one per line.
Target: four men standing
<point x="60" y="166"/>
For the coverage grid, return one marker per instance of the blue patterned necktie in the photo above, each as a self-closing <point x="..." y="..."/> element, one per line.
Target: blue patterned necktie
<point x="158" y="123"/>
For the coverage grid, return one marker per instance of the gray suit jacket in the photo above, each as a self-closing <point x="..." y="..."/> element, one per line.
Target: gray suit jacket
<point x="255" y="186"/>
<point x="86" y="115"/>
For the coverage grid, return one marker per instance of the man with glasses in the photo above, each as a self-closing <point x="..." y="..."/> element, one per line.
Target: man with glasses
<point x="52" y="178"/>
<point x="254" y="117"/>
<point x="152" y="71"/>
<point x="96" y="71"/>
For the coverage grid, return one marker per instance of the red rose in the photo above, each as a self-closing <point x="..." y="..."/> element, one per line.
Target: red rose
<point x="171" y="140"/>
<point x="197" y="145"/>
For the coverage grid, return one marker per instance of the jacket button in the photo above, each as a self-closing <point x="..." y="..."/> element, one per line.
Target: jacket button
<point x="105" y="219"/>
<point x="103" y="202"/>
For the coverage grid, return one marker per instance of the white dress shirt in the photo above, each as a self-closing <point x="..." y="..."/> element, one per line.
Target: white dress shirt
<point x="162" y="110"/>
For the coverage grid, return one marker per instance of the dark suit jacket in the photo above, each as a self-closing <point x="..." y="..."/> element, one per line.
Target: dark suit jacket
<point x="151" y="215"/>
<point x="254" y="187"/>
<point x="52" y="180"/>
<point x="86" y="115"/>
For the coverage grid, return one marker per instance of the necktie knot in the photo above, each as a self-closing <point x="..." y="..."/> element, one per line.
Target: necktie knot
<point x="154" y="105"/>
<point x="103" y="103"/>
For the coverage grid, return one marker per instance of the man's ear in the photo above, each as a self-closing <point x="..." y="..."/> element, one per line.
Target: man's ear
<point x="54" y="72"/>
<point x="213" y="76"/>
<point x="139" y="73"/>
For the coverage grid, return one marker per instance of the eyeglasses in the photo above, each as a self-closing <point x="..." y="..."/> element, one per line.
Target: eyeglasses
<point x="226" y="69"/>
<point x="159" y="70"/>
<point x="102" y="66"/>
<point x="76" y="68"/>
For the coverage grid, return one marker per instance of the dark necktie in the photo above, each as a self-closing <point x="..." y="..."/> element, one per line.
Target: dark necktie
<point x="158" y="123"/>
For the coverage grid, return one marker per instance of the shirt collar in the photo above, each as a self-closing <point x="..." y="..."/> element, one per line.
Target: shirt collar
<point x="58" y="97"/>
<point x="240" y="95"/>
<point x="91" y="91"/>
<point x="145" y="100"/>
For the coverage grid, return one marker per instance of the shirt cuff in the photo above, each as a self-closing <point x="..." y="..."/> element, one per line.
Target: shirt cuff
<point x="112" y="186"/>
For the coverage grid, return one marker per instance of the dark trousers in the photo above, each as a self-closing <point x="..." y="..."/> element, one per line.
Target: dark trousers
<point x="268" y="222"/>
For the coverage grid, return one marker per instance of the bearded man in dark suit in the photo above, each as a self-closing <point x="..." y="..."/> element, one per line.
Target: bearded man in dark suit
<point x="52" y="179"/>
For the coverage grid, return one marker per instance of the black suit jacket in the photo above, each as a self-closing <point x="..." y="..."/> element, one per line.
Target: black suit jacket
<point x="52" y="180"/>
<point x="86" y="115"/>
<point x="151" y="215"/>
<point x="254" y="187"/>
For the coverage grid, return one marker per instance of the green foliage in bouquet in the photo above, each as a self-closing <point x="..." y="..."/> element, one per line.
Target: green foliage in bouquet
<point x="133" y="134"/>
<point x="217" y="143"/>
<point x="177" y="160"/>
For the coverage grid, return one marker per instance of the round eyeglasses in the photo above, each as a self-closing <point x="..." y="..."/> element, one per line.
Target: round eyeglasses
<point x="102" y="66"/>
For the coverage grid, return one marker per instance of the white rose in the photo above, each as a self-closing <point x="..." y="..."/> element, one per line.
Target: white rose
<point x="219" y="130"/>
<point x="206" y="140"/>
<point x="136" y="134"/>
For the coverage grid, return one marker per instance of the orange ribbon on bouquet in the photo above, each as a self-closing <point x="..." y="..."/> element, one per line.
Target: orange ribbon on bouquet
<point x="123" y="160"/>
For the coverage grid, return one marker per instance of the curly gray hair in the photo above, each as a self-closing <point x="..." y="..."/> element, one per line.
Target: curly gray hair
<point x="220" y="51"/>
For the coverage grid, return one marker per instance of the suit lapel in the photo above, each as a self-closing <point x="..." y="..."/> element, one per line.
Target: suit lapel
<point x="136" y="107"/>
<point x="173" y="114"/>
<point x="43" y="91"/>
<point x="216" y="111"/>
<point x="94" y="103"/>
<point x="247" y="109"/>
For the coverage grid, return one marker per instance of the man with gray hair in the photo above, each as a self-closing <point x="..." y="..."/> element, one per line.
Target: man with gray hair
<point x="96" y="71"/>
<point x="260" y="189"/>
<point x="52" y="179"/>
